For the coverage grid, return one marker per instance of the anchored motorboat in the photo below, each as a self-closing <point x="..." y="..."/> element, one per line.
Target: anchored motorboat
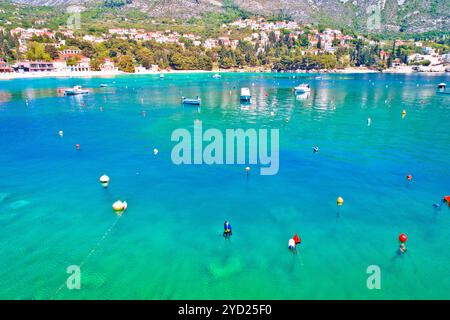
<point x="197" y="101"/>
<point x="75" y="91"/>
<point x="442" y="88"/>
<point x="245" y="94"/>
<point x="303" y="88"/>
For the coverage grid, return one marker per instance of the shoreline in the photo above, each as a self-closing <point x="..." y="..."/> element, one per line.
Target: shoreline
<point x="99" y="74"/>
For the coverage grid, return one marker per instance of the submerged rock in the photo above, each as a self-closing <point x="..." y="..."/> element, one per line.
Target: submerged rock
<point x="19" y="204"/>
<point x="3" y="196"/>
<point x="92" y="280"/>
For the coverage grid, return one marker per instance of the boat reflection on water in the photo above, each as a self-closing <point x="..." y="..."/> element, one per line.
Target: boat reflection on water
<point x="245" y="106"/>
<point x="5" y="96"/>
<point x="302" y="96"/>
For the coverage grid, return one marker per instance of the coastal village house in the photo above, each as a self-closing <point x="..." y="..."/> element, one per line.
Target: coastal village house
<point x="34" y="66"/>
<point x="74" y="61"/>
<point x="108" y="65"/>
<point x="4" y="68"/>
<point x="68" y="52"/>
<point x="60" y="65"/>
<point x="83" y="64"/>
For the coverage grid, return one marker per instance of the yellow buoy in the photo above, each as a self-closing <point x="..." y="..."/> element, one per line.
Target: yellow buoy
<point x="404" y="113"/>
<point x="340" y="201"/>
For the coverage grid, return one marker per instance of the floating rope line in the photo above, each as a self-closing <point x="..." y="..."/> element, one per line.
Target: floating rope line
<point x="91" y="252"/>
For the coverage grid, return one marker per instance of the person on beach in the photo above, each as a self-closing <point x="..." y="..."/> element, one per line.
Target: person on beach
<point x="227" y="230"/>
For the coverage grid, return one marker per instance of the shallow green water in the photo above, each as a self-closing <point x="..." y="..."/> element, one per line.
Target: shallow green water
<point x="168" y="244"/>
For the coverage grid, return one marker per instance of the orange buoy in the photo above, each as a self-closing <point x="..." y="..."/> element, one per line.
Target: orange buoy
<point x="409" y="177"/>
<point x="403" y="238"/>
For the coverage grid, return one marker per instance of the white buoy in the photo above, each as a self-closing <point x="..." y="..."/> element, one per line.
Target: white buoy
<point x="291" y="244"/>
<point x="61" y="133"/>
<point x="155" y="151"/>
<point x="369" y="121"/>
<point x="119" y="206"/>
<point x="104" y="180"/>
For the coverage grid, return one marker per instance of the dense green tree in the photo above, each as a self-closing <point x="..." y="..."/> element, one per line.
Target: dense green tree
<point x="125" y="64"/>
<point x="52" y="51"/>
<point x="36" y="52"/>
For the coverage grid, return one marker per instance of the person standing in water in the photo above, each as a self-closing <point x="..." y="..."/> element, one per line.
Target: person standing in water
<point x="227" y="229"/>
<point x="402" y="248"/>
<point x="446" y="199"/>
<point x="292" y="245"/>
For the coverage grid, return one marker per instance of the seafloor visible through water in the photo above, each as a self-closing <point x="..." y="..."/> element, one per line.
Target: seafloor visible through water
<point x="169" y="245"/>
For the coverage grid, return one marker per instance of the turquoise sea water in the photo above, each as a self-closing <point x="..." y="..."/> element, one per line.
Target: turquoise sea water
<point x="168" y="244"/>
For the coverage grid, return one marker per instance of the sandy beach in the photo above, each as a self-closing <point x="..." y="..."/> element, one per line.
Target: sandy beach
<point x="82" y="74"/>
<point x="93" y="74"/>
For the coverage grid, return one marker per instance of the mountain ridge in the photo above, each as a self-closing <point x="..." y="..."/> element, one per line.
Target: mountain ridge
<point x="413" y="16"/>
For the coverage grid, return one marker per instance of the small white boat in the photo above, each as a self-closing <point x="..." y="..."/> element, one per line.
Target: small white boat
<point x="303" y="88"/>
<point x="245" y="94"/>
<point x="103" y="85"/>
<point x="197" y="101"/>
<point x="217" y="76"/>
<point x="442" y="88"/>
<point x="75" y="91"/>
<point x="161" y="76"/>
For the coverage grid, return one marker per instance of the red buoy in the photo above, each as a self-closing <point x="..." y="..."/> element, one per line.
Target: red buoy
<point x="447" y="199"/>
<point x="77" y="146"/>
<point x="297" y="239"/>
<point x="402" y="238"/>
<point x="409" y="177"/>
